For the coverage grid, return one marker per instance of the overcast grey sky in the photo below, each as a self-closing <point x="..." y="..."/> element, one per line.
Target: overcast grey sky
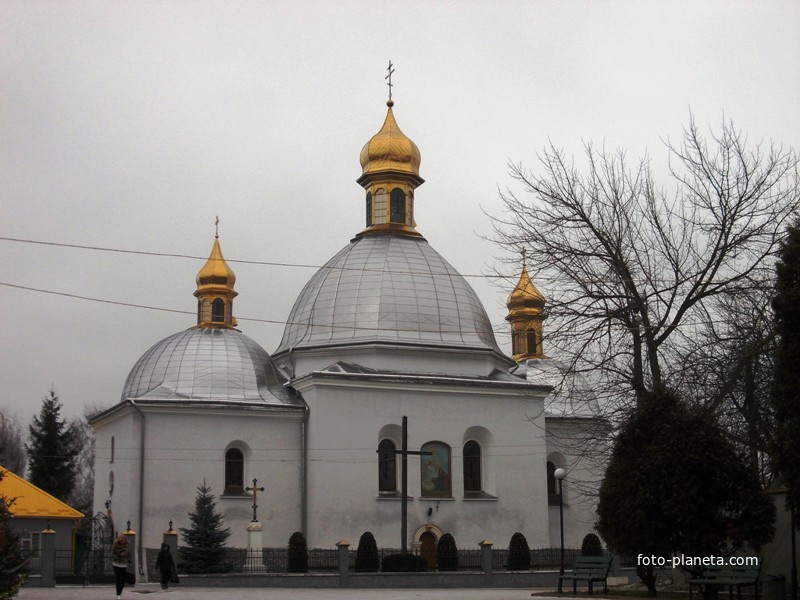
<point x="132" y="124"/>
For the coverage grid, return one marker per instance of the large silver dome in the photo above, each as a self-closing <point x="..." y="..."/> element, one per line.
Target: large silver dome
<point x="387" y="288"/>
<point x="211" y="364"/>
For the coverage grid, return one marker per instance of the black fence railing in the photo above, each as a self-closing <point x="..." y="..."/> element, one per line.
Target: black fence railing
<point x="326" y="560"/>
<point x="96" y="566"/>
<point x="83" y="567"/>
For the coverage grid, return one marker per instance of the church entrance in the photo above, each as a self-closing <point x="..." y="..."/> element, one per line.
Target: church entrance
<point x="427" y="549"/>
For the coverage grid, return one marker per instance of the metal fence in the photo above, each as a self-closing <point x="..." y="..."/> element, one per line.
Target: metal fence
<point x="95" y="567"/>
<point x="83" y="567"/>
<point x="325" y="560"/>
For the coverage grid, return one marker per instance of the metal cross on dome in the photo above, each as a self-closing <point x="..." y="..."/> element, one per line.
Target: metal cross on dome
<point x="389" y="78"/>
<point x="255" y="491"/>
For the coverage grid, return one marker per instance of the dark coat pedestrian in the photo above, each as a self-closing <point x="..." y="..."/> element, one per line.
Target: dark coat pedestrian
<point x="165" y="565"/>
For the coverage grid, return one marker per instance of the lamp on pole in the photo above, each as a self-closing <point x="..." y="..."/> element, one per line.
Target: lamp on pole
<point x="559" y="475"/>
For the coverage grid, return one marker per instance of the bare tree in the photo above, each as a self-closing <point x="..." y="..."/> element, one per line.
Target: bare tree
<point x="636" y="275"/>
<point x="82" y="496"/>
<point x="729" y="373"/>
<point x="12" y="443"/>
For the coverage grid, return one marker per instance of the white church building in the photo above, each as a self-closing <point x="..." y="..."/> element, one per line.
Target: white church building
<point x="387" y="328"/>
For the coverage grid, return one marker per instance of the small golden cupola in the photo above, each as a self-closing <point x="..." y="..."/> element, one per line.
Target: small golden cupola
<point x="526" y="314"/>
<point x="215" y="291"/>
<point x="390" y="174"/>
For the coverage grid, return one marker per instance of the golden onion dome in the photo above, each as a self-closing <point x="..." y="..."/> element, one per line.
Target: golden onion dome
<point x="390" y="150"/>
<point x="215" y="273"/>
<point x="525" y="299"/>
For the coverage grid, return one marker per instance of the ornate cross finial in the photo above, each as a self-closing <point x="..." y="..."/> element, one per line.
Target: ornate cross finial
<point x="523" y="252"/>
<point x="216" y="228"/>
<point x="389" y="79"/>
<point x="255" y="491"/>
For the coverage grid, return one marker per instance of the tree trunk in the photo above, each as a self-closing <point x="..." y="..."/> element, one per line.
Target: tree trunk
<point x="648" y="577"/>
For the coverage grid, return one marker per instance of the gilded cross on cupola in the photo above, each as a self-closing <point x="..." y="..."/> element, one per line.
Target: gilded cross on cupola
<point x="388" y="78"/>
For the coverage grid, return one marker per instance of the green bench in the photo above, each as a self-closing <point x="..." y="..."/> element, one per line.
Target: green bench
<point x="730" y="576"/>
<point x="589" y="569"/>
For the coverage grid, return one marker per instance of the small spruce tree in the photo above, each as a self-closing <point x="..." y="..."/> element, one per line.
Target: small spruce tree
<point x="52" y="451"/>
<point x="204" y="550"/>
<point x="12" y="571"/>
<point x="298" y="553"/>
<point x="519" y="554"/>
<point x="447" y="553"/>
<point x="367" y="559"/>
<point x="591" y="545"/>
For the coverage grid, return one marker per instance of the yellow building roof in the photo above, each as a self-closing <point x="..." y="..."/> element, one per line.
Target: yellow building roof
<point x="31" y="502"/>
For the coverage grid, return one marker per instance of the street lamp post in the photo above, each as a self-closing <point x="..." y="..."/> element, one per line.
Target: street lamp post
<point x="559" y="475"/>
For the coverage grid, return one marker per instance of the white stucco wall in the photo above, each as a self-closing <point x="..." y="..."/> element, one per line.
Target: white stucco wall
<point x="346" y="419"/>
<point x="186" y="446"/>
<point x="577" y="445"/>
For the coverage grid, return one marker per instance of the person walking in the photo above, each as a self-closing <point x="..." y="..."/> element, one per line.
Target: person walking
<point x="120" y="559"/>
<point x="165" y="565"/>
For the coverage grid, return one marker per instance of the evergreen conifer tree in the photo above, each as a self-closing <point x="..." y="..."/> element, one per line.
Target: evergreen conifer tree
<point x="786" y="382"/>
<point x="52" y="450"/>
<point x="12" y="572"/>
<point x="204" y="550"/>
<point x="676" y="485"/>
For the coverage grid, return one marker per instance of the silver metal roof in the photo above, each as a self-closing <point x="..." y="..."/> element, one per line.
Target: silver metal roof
<point x="220" y="365"/>
<point x="384" y="288"/>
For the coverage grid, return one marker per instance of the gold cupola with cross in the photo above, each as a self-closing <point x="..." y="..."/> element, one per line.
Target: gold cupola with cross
<point x="390" y="174"/>
<point x="526" y="314"/>
<point x="215" y="291"/>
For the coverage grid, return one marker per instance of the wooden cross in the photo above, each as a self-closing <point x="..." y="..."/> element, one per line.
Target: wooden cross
<point x="255" y="491"/>
<point x="389" y="78"/>
<point x="404" y="453"/>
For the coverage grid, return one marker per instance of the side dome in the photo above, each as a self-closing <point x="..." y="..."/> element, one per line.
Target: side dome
<point x="208" y="364"/>
<point x="393" y="289"/>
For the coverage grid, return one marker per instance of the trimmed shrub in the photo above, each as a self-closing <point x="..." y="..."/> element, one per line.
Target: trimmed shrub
<point x="447" y="554"/>
<point x="367" y="560"/>
<point x="519" y="554"/>
<point x="591" y="545"/>
<point x="298" y="553"/>
<point x="403" y="563"/>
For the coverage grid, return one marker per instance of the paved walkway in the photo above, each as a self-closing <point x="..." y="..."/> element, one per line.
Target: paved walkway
<point x="140" y="592"/>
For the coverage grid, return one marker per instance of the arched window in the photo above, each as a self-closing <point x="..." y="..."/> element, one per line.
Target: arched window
<point x="518" y="338"/>
<point x="553" y="497"/>
<point x="472" y="467"/>
<point x="387" y="466"/>
<point x="234" y="471"/>
<point x="112" y="449"/>
<point x="397" y="212"/>
<point x="369" y="209"/>
<point x="435" y="470"/>
<point x="199" y="311"/>
<point x="218" y="310"/>
<point x="531" y="342"/>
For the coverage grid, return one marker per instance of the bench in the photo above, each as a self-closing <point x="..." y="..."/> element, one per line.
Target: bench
<point x="590" y="569"/>
<point x="731" y="576"/>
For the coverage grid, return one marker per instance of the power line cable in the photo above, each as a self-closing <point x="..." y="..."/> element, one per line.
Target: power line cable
<point x="241" y="261"/>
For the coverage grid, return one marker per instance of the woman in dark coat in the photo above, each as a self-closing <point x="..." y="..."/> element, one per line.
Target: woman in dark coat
<point x="165" y="565"/>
